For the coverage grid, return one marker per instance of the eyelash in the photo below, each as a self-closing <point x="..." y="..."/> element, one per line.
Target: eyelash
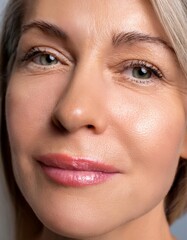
<point x="37" y="52"/>
<point x="33" y="52"/>
<point x="140" y="63"/>
<point x="130" y="64"/>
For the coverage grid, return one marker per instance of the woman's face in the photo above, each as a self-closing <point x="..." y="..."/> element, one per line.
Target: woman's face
<point x="95" y="91"/>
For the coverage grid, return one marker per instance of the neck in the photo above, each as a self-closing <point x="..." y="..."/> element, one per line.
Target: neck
<point x="152" y="225"/>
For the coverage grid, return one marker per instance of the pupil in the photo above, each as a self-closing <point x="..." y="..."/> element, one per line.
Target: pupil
<point x="142" y="71"/>
<point x="50" y="59"/>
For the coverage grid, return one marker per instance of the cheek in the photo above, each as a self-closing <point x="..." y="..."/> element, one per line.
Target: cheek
<point x="28" y="109"/>
<point x="29" y="105"/>
<point x="156" y="157"/>
<point x="160" y="134"/>
<point x="151" y="131"/>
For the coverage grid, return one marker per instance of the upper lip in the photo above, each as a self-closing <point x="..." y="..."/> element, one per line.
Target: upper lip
<point x="64" y="161"/>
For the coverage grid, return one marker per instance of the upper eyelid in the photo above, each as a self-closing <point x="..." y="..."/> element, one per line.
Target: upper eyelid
<point x="45" y="50"/>
<point x="48" y="49"/>
<point x="139" y="62"/>
<point x="146" y="65"/>
<point x="34" y="52"/>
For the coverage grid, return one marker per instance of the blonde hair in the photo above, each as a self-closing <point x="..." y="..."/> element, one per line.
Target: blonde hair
<point x="173" y="17"/>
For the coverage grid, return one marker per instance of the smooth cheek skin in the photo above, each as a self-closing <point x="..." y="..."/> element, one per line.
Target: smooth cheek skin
<point x="138" y="130"/>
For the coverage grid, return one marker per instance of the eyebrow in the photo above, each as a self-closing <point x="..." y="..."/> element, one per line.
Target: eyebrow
<point x="136" y="37"/>
<point x="119" y="39"/>
<point x="47" y="28"/>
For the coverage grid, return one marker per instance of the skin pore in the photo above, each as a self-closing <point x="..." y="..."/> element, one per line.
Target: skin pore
<point x="97" y="80"/>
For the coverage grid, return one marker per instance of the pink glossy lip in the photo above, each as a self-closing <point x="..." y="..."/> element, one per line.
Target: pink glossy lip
<point x="73" y="171"/>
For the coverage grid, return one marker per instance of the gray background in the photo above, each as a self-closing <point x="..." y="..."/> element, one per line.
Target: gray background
<point x="179" y="229"/>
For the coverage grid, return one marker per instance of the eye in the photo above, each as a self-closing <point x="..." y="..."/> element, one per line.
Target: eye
<point x="45" y="59"/>
<point x="141" y="73"/>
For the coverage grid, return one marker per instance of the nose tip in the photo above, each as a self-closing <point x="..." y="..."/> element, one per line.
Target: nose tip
<point x="72" y="114"/>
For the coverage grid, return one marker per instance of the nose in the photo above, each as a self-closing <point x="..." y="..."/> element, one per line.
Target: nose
<point x="82" y="105"/>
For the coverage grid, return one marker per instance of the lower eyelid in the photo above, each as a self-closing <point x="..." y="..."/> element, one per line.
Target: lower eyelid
<point x="141" y="81"/>
<point x="35" y="69"/>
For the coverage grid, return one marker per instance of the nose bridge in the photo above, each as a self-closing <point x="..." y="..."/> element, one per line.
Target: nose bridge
<point x="85" y="84"/>
<point x="82" y="104"/>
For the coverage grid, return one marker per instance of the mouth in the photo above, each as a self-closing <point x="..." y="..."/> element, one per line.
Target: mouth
<point x="75" y="171"/>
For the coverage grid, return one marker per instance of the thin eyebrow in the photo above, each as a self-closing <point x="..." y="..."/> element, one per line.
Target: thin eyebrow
<point x="135" y="37"/>
<point x="45" y="27"/>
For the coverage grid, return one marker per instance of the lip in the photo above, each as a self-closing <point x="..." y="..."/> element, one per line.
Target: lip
<point x="75" y="171"/>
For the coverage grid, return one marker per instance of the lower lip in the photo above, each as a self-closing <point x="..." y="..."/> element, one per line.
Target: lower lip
<point x="73" y="178"/>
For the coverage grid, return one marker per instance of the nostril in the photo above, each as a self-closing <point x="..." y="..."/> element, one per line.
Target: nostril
<point x="90" y="126"/>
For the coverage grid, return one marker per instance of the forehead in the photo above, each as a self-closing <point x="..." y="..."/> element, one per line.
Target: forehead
<point x="98" y="17"/>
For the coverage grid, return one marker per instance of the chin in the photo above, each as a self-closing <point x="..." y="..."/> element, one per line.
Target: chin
<point x="71" y="227"/>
